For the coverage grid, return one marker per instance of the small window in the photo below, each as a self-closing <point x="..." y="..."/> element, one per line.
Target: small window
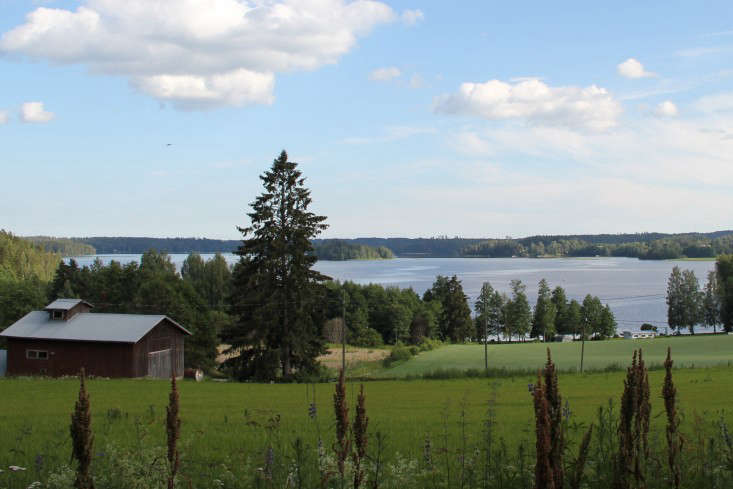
<point x="58" y="314"/>
<point x="36" y="354"/>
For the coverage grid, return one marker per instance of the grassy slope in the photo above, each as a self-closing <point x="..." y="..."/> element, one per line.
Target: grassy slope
<point x="687" y="351"/>
<point x="34" y="414"/>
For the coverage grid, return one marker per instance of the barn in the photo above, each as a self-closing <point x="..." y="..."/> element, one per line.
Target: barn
<point x="66" y="336"/>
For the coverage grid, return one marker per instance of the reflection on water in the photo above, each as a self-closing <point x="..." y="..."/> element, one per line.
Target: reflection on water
<point x="634" y="289"/>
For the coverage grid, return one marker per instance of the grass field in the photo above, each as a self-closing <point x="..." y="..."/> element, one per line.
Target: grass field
<point x="688" y="351"/>
<point x="227" y="423"/>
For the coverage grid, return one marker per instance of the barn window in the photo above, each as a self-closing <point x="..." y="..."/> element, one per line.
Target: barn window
<point x="36" y="354"/>
<point x="58" y="314"/>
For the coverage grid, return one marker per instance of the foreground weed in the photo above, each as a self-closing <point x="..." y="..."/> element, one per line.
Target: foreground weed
<point x="82" y="437"/>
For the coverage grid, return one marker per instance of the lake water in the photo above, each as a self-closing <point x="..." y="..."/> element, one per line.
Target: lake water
<point x="635" y="289"/>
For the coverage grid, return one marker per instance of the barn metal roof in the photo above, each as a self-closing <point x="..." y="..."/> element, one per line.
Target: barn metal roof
<point x="64" y="304"/>
<point x="87" y="326"/>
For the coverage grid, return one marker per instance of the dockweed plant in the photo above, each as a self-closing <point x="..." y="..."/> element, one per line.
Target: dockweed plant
<point x="549" y="430"/>
<point x="173" y="431"/>
<point x="341" y="409"/>
<point x="674" y="439"/>
<point x="82" y="439"/>
<point x="633" y="430"/>
<point x="361" y="438"/>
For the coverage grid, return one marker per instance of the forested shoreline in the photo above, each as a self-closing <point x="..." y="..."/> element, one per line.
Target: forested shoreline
<point x="645" y="246"/>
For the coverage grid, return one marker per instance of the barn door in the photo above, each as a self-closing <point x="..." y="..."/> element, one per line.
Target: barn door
<point x="159" y="364"/>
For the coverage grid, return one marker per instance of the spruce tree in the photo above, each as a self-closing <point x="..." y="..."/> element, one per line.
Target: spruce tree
<point x="275" y="293"/>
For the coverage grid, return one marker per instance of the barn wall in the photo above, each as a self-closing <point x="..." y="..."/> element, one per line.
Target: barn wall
<point x="68" y="357"/>
<point x="162" y="337"/>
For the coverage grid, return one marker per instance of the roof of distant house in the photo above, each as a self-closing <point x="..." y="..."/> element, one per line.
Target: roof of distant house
<point x="87" y="326"/>
<point x="65" y="304"/>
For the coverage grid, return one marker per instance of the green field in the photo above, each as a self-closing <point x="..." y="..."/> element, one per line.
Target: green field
<point x="225" y="425"/>
<point x="688" y="351"/>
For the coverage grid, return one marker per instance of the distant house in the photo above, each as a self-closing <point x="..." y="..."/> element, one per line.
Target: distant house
<point x="66" y="336"/>
<point x="635" y="335"/>
<point x="564" y="338"/>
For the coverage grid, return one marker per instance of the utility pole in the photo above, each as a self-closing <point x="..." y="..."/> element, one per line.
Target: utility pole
<point x="343" y="331"/>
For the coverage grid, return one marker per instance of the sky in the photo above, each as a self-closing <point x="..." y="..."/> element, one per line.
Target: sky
<point x="408" y="118"/>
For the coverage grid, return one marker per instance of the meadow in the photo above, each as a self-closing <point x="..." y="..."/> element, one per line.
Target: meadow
<point x="231" y="430"/>
<point x="688" y="351"/>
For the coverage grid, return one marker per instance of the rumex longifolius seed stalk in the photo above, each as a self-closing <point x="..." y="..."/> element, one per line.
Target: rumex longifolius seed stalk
<point x="82" y="438"/>
<point x="674" y="439"/>
<point x="343" y="444"/>
<point x="173" y="431"/>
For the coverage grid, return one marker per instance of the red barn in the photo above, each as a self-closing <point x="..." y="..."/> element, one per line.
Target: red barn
<point x="66" y="336"/>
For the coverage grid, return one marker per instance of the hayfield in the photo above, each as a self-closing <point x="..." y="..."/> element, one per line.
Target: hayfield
<point x="688" y="351"/>
<point x="227" y="427"/>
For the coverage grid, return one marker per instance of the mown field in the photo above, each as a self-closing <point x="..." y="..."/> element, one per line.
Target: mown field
<point x="227" y="427"/>
<point x="688" y="351"/>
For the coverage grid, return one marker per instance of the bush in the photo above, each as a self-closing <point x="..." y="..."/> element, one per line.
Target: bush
<point x="366" y="337"/>
<point x="430" y="344"/>
<point x="400" y="353"/>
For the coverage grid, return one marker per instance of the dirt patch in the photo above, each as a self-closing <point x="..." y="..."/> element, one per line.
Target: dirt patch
<point x="332" y="359"/>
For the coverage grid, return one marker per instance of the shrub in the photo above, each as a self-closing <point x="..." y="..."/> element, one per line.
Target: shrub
<point x="400" y="353"/>
<point x="366" y="337"/>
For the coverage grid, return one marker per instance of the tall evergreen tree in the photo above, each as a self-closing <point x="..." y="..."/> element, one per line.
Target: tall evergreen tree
<point x="275" y="292"/>
<point x="560" y="301"/>
<point x="545" y="313"/>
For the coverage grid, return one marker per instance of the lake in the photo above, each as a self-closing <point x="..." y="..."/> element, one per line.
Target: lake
<point x="635" y="289"/>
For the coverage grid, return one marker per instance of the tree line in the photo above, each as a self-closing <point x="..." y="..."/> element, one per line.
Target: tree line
<point x="662" y="248"/>
<point x="62" y="246"/>
<point x="25" y="270"/>
<point x="688" y="305"/>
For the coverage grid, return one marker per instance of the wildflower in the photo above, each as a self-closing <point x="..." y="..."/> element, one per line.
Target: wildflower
<point x="530" y="388"/>
<point x="566" y="412"/>
<point x="15" y="468"/>
<point x="312" y="412"/>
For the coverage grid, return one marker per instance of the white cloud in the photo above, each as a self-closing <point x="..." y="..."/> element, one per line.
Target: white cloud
<point x="198" y="53"/>
<point x="631" y="68"/>
<point x="720" y="102"/>
<point x="703" y="51"/>
<point x="535" y="102"/>
<point x="416" y="81"/>
<point x="412" y="17"/>
<point x="392" y="133"/>
<point x="666" y="109"/>
<point x="4" y="117"/>
<point x="385" y="74"/>
<point x="34" y="112"/>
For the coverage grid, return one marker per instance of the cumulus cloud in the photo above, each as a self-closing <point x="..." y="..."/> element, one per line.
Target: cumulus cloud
<point x="412" y="17"/>
<point x="4" y="117"/>
<point x="385" y="74"/>
<point x="631" y="68"/>
<point x="535" y="102"/>
<point x="198" y="53"/>
<point x="666" y="109"/>
<point x="34" y="112"/>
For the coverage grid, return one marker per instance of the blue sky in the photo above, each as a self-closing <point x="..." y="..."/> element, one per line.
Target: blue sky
<point x="477" y="119"/>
